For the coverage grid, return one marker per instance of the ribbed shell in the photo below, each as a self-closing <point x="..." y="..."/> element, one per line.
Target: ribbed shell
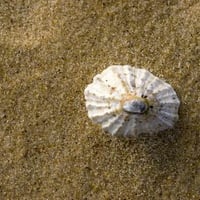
<point x="104" y="101"/>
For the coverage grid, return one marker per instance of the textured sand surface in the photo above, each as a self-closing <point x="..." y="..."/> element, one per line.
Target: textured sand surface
<point x="49" y="52"/>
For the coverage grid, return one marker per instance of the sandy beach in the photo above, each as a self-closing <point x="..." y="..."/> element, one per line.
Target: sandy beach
<point x="49" y="52"/>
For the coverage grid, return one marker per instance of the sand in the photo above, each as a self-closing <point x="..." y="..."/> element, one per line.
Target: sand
<point x="50" y="50"/>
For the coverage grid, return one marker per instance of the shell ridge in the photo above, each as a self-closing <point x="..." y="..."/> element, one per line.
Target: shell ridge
<point x="143" y="77"/>
<point x="168" y="114"/>
<point x="165" y="121"/>
<point x="99" y="81"/>
<point x="99" y="119"/>
<point x="130" y="77"/>
<point x="109" y="77"/>
<point x="150" y="87"/>
<point x="112" y="126"/>
<point x="131" y="124"/>
<point x="123" y="82"/>
<point x="92" y="96"/>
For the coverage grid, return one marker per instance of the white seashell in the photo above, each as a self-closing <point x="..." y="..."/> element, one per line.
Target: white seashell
<point x="128" y="101"/>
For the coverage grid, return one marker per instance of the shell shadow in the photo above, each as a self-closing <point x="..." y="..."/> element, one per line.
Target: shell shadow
<point x="161" y="150"/>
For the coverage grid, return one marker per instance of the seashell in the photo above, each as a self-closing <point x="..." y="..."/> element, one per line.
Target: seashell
<point x="128" y="101"/>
